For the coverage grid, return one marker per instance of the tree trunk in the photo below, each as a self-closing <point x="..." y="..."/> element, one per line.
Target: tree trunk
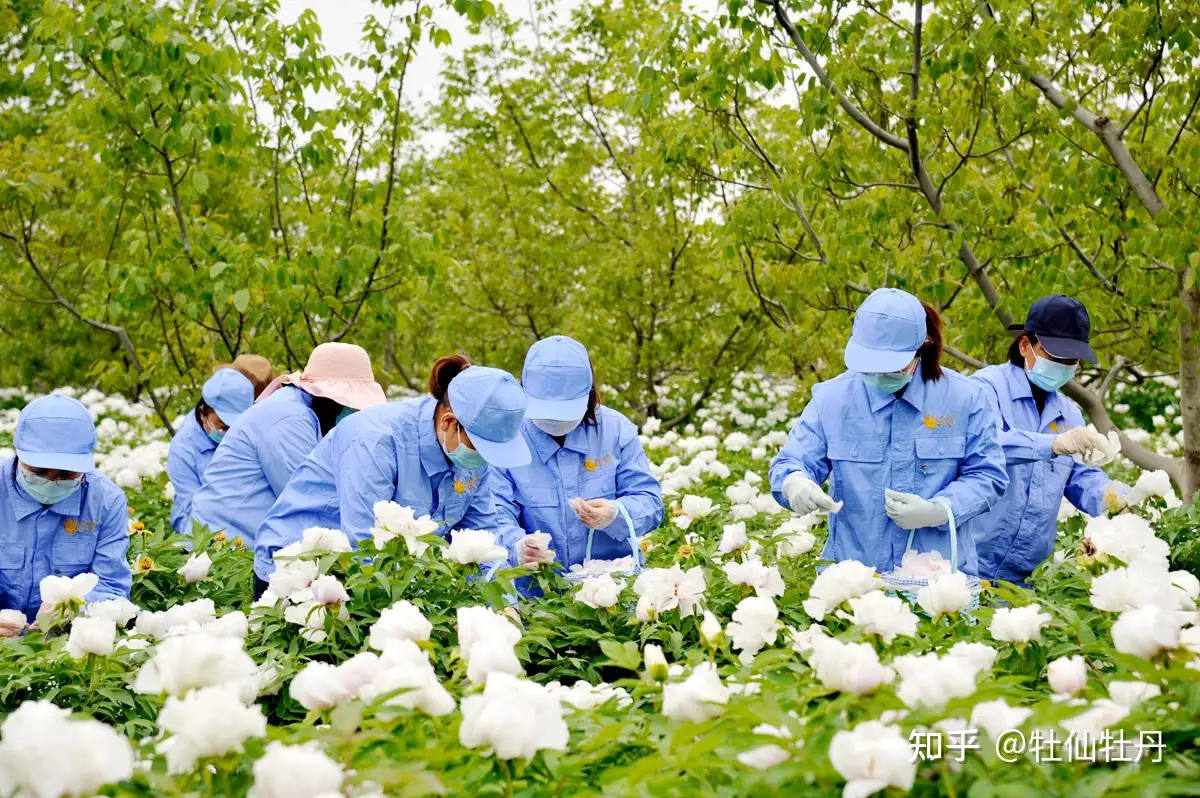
<point x="1189" y="379"/>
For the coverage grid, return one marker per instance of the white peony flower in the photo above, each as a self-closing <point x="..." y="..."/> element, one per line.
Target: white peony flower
<point x="1018" y="624"/>
<point x="872" y="757"/>
<point x="694" y="507"/>
<point x="291" y="577"/>
<point x="1187" y="587"/>
<point x="393" y="521"/>
<point x="196" y="568"/>
<point x="737" y="441"/>
<point x="764" y="579"/>
<point x="127" y="478"/>
<point x="474" y="546"/>
<point x="767" y="756"/>
<point x="182" y="617"/>
<point x="296" y="771"/>
<point x="401" y="621"/>
<point x="710" y="630"/>
<point x="323" y="540"/>
<point x="92" y="636"/>
<point x="599" y="592"/>
<point x="799" y="540"/>
<point x="981" y="656"/>
<point x="1129" y="538"/>
<point x="328" y="590"/>
<point x="119" y="610"/>
<point x="485" y="641"/>
<point x="928" y="681"/>
<point x="741" y="493"/>
<point x="65" y="590"/>
<point x="656" y="662"/>
<point x="320" y="686"/>
<point x="755" y="625"/>
<point x="190" y="662"/>
<point x="46" y="754"/>
<point x="514" y="718"/>
<point x="882" y="614"/>
<point x="1152" y="483"/>
<point x="1145" y="631"/>
<point x="661" y="590"/>
<point x="699" y="698"/>
<point x="1091" y="723"/>
<point x="945" y="594"/>
<point x="584" y="697"/>
<point x="1131" y="693"/>
<point x="404" y="672"/>
<point x="733" y="538"/>
<point x="845" y="667"/>
<point x="837" y="583"/>
<point x="207" y="722"/>
<point x="310" y="616"/>
<point x="1067" y="675"/>
<point x="1139" y="585"/>
<point x="996" y="717"/>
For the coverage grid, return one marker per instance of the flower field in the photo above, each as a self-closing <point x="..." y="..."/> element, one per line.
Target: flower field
<point x="728" y="666"/>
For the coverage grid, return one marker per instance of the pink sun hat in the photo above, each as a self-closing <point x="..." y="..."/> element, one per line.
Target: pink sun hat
<point x="341" y="372"/>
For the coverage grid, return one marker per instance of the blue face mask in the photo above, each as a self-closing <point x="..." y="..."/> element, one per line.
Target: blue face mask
<point x="216" y="435"/>
<point x="345" y="414"/>
<point x="46" y="491"/>
<point x="464" y="457"/>
<point x="889" y="382"/>
<point x="1050" y="376"/>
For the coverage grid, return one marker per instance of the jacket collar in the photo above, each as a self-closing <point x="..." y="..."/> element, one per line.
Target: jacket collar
<point x="914" y="393"/>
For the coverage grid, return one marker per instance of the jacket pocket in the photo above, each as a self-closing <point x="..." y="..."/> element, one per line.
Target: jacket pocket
<point x="938" y="458"/>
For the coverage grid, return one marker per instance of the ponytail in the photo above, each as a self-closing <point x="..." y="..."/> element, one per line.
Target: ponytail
<point x="931" y="351"/>
<point x="444" y="370"/>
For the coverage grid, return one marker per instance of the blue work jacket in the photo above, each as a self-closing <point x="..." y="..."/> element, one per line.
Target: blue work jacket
<point x="187" y="460"/>
<point x="937" y="440"/>
<point x="384" y="453"/>
<point x="87" y="531"/>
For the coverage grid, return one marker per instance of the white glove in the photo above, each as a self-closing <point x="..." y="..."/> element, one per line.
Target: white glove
<point x="534" y="550"/>
<point x="913" y="512"/>
<point x="594" y="513"/>
<point x="1081" y="441"/>
<point x="805" y="496"/>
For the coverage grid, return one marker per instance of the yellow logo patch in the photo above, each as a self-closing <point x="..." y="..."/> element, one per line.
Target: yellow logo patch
<point x="71" y="526"/>
<point x="1056" y="427"/>
<point x="933" y="422"/>
<point x="464" y="485"/>
<point x="603" y="460"/>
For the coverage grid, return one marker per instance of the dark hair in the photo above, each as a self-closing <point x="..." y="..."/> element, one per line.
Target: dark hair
<point x="931" y="351"/>
<point x="444" y="370"/>
<point x="201" y="409"/>
<point x="327" y="411"/>
<point x="1014" y="349"/>
<point x="589" y="415"/>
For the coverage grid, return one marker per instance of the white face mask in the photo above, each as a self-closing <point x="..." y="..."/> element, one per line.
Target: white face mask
<point x="555" y="429"/>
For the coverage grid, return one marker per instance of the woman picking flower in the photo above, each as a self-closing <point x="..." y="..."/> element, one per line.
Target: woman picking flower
<point x="430" y="454"/>
<point x="1040" y="429"/>
<point x="900" y="439"/>
<point x="588" y="459"/>
<point x="261" y="452"/>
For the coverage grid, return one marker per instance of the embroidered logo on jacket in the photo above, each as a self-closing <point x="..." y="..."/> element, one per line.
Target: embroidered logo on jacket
<point x="71" y="526"/>
<point x="464" y="485"/>
<point x="603" y="460"/>
<point x="933" y="422"/>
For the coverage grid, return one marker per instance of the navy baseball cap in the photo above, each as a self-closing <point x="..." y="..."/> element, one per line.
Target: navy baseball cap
<point x="557" y="379"/>
<point x="56" y="432"/>
<point x="1062" y="327"/>
<point x="491" y="406"/>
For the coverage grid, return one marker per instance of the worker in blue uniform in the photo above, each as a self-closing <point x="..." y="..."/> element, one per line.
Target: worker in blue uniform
<point x="1042" y="432"/>
<point x="58" y="515"/>
<point x="587" y="461"/>
<point x="902" y="440"/>
<point x="431" y="454"/>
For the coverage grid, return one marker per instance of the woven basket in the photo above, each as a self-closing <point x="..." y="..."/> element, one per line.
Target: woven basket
<point x="908" y="586"/>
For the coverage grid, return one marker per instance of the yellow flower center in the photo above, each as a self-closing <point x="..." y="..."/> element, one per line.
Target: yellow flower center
<point x="144" y="564"/>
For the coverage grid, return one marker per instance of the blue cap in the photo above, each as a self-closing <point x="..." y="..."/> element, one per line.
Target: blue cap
<point x="557" y="379"/>
<point x="1062" y="326"/>
<point x="229" y="393"/>
<point x="491" y="406"/>
<point x="889" y="328"/>
<point x="56" y="432"/>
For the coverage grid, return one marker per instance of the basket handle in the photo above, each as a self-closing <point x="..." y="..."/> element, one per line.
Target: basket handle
<point x="634" y="549"/>
<point x="953" y="533"/>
